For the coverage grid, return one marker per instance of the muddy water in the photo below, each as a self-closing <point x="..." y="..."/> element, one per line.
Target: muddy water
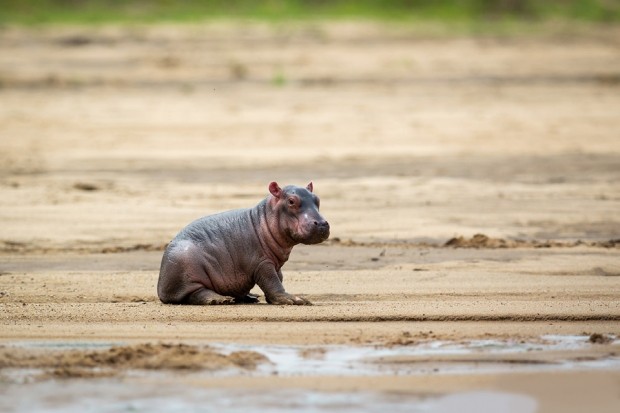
<point x="164" y="390"/>
<point x="105" y="396"/>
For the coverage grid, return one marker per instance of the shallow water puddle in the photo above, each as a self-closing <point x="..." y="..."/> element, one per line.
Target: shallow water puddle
<point x="475" y="356"/>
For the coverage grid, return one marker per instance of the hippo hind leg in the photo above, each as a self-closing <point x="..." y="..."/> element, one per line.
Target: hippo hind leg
<point x="204" y="296"/>
<point x="174" y="285"/>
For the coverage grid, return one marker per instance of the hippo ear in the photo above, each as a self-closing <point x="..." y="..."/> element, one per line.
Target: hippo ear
<point x="310" y="187"/>
<point x="275" y="189"/>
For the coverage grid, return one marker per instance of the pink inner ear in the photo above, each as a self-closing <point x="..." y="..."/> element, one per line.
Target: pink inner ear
<point x="310" y="187"/>
<point x="275" y="190"/>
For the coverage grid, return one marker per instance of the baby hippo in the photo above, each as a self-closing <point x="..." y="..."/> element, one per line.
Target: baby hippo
<point x="219" y="258"/>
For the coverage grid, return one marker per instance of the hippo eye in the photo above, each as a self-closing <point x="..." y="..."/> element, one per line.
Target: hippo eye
<point x="294" y="202"/>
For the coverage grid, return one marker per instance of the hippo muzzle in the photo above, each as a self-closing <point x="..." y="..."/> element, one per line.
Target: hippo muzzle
<point x="317" y="230"/>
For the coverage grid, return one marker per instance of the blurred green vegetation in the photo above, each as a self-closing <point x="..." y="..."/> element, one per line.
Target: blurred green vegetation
<point x="147" y="11"/>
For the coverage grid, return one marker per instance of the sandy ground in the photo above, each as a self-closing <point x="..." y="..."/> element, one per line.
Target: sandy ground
<point x="112" y="139"/>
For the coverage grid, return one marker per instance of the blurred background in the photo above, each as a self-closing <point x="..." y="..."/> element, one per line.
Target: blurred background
<point x="472" y="11"/>
<point x="120" y="121"/>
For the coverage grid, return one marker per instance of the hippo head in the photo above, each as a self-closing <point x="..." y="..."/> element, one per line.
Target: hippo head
<point x="299" y="215"/>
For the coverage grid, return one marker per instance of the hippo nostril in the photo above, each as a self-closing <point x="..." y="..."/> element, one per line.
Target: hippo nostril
<point x="321" y="224"/>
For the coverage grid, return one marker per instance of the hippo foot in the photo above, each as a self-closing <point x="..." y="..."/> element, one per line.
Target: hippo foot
<point x="287" y="299"/>
<point x="208" y="297"/>
<point x="247" y="299"/>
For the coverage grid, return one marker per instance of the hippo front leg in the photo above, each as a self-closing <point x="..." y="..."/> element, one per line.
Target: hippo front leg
<point x="270" y="281"/>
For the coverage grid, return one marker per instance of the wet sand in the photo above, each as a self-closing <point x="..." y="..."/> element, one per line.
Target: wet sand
<point x="115" y="138"/>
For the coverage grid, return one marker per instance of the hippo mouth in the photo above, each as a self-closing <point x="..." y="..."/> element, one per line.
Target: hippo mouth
<point x="317" y="236"/>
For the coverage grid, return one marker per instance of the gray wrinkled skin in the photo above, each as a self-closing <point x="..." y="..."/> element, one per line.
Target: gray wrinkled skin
<point x="219" y="258"/>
